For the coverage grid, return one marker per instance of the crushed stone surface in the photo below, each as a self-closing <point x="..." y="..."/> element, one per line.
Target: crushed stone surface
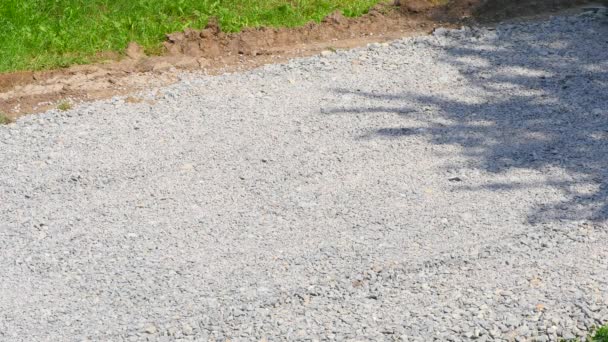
<point x="449" y="187"/>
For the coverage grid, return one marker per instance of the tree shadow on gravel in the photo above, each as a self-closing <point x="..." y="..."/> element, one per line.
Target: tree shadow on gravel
<point x="540" y="104"/>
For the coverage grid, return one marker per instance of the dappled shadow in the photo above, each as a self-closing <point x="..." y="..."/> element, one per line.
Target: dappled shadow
<point x="532" y="100"/>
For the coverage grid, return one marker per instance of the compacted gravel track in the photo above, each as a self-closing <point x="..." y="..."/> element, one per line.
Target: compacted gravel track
<point x="449" y="187"/>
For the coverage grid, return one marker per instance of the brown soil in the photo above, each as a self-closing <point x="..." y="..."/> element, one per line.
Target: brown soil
<point x="215" y="52"/>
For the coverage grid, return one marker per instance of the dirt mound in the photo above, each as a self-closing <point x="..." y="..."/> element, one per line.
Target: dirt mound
<point x="134" y="51"/>
<point x="211" y="42"/>
<point x="415" y="6"/>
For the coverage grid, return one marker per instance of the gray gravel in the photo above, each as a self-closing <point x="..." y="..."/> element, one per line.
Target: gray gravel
<point x="448" y="187"/>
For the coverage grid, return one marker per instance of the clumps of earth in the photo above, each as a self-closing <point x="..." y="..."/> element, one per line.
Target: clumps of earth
<point x="211" y="42"/>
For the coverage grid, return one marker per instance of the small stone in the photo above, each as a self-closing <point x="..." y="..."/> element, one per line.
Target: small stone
<point x="524" y="330"/>
<point x="511" y="321"/>
<point x="187" y="167"/>
<point x="135" y="51"/>
<point x="173" y="331"/>
<point x="150" y="329"/>
<point x="187" y="63"/>
<point x="441" y="32"/>
<point x="598" y="111"/>
<point x="568" y="335"/>
<point x="162" y="66"/>
<point x="187" y="329"/>
<point x="203" y="62"/>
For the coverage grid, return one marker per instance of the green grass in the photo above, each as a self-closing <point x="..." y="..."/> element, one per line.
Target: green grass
<point x="44" y="34"/>
<point x="597" y="335"/>
<point x="4" y="119"/>
<point x="601" y="334"/>
<point x="64" y="106"/>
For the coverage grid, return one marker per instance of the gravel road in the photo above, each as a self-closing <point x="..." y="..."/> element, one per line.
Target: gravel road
<point x="449" y="187"/>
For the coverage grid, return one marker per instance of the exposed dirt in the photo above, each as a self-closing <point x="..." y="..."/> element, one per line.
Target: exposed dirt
<point x="214" y="51"/>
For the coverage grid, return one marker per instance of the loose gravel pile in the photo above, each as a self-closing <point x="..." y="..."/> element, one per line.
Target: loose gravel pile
<point x="449" y="187"/>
